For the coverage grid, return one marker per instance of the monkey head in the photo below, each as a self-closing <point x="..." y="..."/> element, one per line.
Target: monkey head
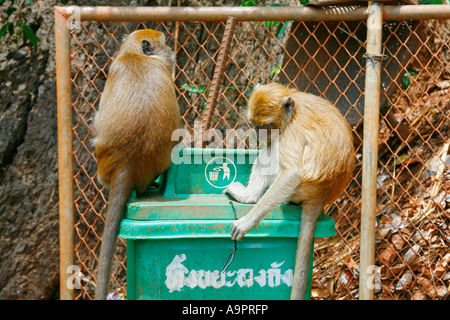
<point x="271" y="106"/>
<point x="149" y="43"/>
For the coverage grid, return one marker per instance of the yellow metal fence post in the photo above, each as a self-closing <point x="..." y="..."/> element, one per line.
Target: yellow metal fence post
<point x="65" y="153"/>
<point x="370" y="149"/>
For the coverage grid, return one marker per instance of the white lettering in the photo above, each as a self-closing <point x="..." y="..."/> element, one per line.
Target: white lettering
<point x="178" y="276"/>
<point x="175" y="272"/>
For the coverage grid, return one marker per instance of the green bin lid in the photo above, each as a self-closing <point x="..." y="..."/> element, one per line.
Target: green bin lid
<point x="187" y="205"/>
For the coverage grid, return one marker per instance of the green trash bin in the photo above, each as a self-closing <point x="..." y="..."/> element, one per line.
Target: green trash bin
<point x="178" y="235"/>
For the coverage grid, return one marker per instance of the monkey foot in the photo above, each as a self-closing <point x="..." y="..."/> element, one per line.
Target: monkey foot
<point x="240" y="227"/>
<point x="234" y="190"/>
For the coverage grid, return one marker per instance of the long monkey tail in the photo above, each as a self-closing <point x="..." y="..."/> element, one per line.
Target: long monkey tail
<point x="121" y="187"/>
<point x="310" y="214"/>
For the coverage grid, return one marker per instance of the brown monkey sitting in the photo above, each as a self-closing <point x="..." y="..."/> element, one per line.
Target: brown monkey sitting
<point x="310" y="162"/>
<point x="137" y="115"/>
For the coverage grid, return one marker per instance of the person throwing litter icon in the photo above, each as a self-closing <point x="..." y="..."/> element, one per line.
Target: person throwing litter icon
<point x="226" y="171"/>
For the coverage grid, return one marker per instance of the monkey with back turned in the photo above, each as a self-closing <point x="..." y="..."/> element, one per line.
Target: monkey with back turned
<point x="138" y="113"/>
<point x="314" y="156"/>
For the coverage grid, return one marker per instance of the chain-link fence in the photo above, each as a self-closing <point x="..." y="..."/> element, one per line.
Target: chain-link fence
<point x="327" y="59"/>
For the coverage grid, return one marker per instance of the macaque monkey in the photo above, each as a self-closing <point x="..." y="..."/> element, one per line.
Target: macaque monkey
<point x="138" y="113"/>
<point x="313" y="157"/>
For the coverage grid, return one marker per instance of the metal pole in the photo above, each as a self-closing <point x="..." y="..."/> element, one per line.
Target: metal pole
<point x="370" y="149"/>
<point x="222" y="60"/>
<point x="416" y="12"/>
<point x="218" y="13"/>
<point x="306" y="13"/>
<point x="65" y="153"/>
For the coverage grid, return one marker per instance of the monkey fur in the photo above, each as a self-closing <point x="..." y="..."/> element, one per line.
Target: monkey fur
<point x="314" y="156"/>
<point x="138" y="113"/>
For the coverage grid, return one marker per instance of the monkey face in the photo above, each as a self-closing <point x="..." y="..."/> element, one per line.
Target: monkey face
<point x="270" y="107"/>
<point x="261" y="116"/>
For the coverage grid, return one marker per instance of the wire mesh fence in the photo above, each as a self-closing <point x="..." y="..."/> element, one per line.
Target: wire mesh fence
<point x="327" y="59"/>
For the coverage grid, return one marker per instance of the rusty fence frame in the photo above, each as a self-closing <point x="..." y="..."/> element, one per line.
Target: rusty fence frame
<point x="375" y="13"/>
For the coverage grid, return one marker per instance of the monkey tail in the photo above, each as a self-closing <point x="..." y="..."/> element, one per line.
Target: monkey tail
<point x="121" y="187"/>
<point x="310" y="214"/>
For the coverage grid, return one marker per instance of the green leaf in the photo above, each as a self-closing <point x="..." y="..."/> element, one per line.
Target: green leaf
<point x="2" y="2"/>
<point x="3" y="30"/>
<point x="248" y="3"/>
<point x="29" y="1"/>
<point x="280" y="30"/>
<point x="430" y="2"/>
<point x="269" y="24"/>
<point x="193" y="88"/>
<point x="276" y="69"/>
<point x="413" y="72"/>
<point x="29" y="33"/>
<point x="21" y="23"/>
<point x="249" y="91"/>
<point x="406" y="81"/>
<point x="400" y="159"/>
<point x="11" y="28"/>
<point x="10" y="11"/>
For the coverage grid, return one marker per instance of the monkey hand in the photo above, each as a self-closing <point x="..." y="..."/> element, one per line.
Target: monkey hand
<point x="240" y="227"/>
<point x="239" y="193"/>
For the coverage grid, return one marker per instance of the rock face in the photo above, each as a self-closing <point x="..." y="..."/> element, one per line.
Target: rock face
<point x="28" y="163"/>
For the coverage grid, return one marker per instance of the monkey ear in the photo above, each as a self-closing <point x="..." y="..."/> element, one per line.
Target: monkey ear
<point x="147" y="48"/>
<point x="288" y="104"/>
<point x="162" y="38"/>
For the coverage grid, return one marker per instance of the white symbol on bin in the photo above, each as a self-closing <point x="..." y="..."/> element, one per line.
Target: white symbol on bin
<point x="213" y="176"/>
<point x="229" y="173"/>
<point x="226" y="171"/>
